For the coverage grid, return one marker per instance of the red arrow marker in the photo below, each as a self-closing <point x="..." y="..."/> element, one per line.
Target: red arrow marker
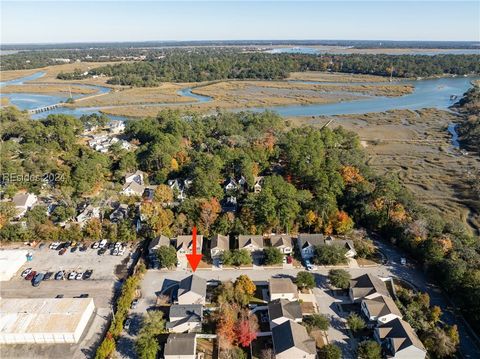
<point x="194" y="258"/>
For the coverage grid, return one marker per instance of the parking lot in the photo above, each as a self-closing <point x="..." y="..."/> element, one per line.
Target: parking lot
<point x="106" y="270"/>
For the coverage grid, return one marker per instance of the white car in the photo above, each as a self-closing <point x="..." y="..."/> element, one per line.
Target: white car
<point x="54" y="245"/>
<point x="26" y="272"/>
<point x="115" y="252"/>
<point x="121" y="251"/>
<point x="72" y="275"/>
<point x="79" y="276"/>
<point x="102" y="243"/>
<point x="95" y="245"/>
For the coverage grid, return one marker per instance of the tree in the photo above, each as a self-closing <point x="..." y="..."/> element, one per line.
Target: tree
<point x="62" y="213"/>
<point x="244" y="289"/>
<point x="227" y="316"/>
<point x="273" y="255"/>
<point x="364" y="247"/>
<point x="7" y="213"/>
<point x="147" y="345"/>
<point x="106" y="349"/>
<point x="246" y="329"/>
<point x="159" y="219"/>
<point x="330" y="255"/>
<point x="369" y="349"/>
<point x="305" y="280"/>
<point x="339" y="278"/>
<point x="93" y="229"/>
<point x="342" y="223"/>
<point x="355" y="322"/>
<point x="318" y="321"/>
<point x="209" y="211"/>
<point x="163" y="194"/>
<point x="440" y="344"/>
<point x="237" y="257"/>
<point x="330" y="351"/>
<point x="167" y="256"/>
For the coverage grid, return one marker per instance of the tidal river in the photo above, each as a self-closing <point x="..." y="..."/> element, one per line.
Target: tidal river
<point x="431" y="93"/>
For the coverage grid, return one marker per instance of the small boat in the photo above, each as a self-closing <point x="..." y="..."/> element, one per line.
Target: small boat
<point x="453" y="97"/>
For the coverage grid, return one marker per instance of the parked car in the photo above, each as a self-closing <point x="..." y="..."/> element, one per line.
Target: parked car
<point x="74" y="244"/>
<point x="87" y="274"/>
<point x="308" y="265"/>
<point x="72" y="275"/>
<point x="73" y="249"/>
<point x="59" y="296"/>
<point x="83" y="296"/>
<point x="31" y="275"/>
<point x="134" y="304"/>
<point x="121" y="251"/>
<point x="47" y="275"/>
<point x="54" y="245"/>
<point x="102" y="243"/>
<point x="101" y="251"/>
<point x="26" y="272"/>
<point x="60" y="275"/>
<point x="67" y="244"/>
<point x="79" y="276"/>
<point x="95" y="245"/>
<point x="62" y="251"/>
<point x="37" y="279"/>
<point x="83" y="248"/>
<point x="42" y="245"/>
<point x="289" y="259"/>
<point x="115" y="252"/>
<point x="127" y="323"/>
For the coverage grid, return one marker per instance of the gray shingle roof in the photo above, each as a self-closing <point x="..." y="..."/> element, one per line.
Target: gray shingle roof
<point x="381" y="306"/>
<point x="221" y="242"/>
<point x="185" y="242"/>
<point x="281" y="240"/>
<point x="193" y="284"/>
<point x="245" y="240"/>
<point x="158" y="242"/>
<point x="282" y="285"/>
<point x="290" y="334"/>
<point x="368" y="284"/>
<point x="310" y="239"/>
<point x="282" y="308"/>
<point x="180" y="344"/>
<point x="401" y="334"/>
<point x="187" y="313"/>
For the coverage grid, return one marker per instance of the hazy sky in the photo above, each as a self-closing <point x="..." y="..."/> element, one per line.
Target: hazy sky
<point x="85" y="21"/>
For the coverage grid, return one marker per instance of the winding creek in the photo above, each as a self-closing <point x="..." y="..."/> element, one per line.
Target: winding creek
<point x="430" y="93"/>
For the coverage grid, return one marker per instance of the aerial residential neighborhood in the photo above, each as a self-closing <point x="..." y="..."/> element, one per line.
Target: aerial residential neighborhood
<point x="239" y="179"/>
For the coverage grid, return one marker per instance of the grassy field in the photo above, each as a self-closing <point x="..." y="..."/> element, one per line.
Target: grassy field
<point x="139" y="95"/>
<point x="416" y="146"/>
<point x="12" y="75"/>
<point x="49" y="89"/>
<point x="335" y="77"/>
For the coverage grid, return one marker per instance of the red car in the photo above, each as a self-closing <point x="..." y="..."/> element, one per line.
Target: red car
<point x="31" y="275"/>
<point x="62" y="251"/>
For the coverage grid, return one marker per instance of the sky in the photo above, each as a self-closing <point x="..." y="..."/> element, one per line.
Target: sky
<point x="116" y="21"/>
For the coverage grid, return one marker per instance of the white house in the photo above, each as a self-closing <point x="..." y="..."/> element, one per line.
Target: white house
<point x="399" y="340"/>
<point x="137" y="176"/>
<point x="307" y="243"/>
<point x="291" y="341"/>
<point x="250" y="243"/>
<point x="87" y="213"/>
<point x="231" y="185"/>
<point x="367" y="286"/>
<point x="116" y="127"/>
<point x="181" y="346"/>
<point x="281" y="310"/>
<point x="282" y="242"/>
<point x="192" y="290"/>
<point x="380" y="310"/>
<point x="132" y="189"/>
<point x="282" y="288"/>
<point x="184" y="246"/>
<point x="218" y="245"/>
<point x="23" y="202"/>
<point x="161" y="241"/>
<point x="185" y="318"/>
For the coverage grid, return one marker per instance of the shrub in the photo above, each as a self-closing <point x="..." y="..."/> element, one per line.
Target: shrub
<point x="339" y="278"/>
<point x="273" y="255"/>
<point x="330" y="255"/>
<point x="305" y="280"/>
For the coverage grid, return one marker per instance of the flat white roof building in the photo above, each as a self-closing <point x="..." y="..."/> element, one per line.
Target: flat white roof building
<point x="10" y="262"/>
<point x="44" y="320"/>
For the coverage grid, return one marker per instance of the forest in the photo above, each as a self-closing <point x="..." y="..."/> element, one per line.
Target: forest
<point x="315" y="180"/>
<point x="208" y="65"/>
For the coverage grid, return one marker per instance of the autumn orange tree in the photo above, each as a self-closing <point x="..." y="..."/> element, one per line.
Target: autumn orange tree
<point x="226" y="319"/>
<point x="163" y="194"/>
<point x="342" y="223"/>
<point x="209" y="210"/>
